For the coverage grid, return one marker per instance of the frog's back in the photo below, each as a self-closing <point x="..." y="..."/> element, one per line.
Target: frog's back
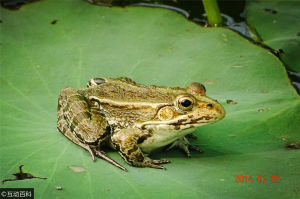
<point x="126" y="90"/>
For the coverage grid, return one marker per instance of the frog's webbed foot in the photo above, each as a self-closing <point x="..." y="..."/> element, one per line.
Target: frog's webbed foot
<point x="148" y="162"/>
<point x="92" y="150"/>
<point x="102" y="155"/>
<point x="184" y="145"/>
<point x="125" y="142"/>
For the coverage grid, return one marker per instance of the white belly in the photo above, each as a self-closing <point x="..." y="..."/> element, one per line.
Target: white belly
<point x="162" y="137"/>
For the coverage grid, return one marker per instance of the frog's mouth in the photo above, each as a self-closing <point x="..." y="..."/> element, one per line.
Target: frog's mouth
<point x="180" y="123"/>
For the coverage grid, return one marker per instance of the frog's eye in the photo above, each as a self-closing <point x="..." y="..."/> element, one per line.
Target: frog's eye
<point x="185" y="103"/>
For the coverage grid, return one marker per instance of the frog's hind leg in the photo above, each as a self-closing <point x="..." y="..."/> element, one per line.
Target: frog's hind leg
<point x="82" y="124"/>
<point x="64" y="128"/>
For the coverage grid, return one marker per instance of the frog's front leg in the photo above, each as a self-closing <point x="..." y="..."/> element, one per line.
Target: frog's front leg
<point x="126" y="142"/>
<point x="184" y="144"/>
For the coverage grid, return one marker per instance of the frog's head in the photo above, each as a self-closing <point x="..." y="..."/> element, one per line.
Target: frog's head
<point x="190" y="108"/>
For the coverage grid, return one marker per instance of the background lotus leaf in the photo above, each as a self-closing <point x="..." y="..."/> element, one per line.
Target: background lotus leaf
<point x="49" y="45"/>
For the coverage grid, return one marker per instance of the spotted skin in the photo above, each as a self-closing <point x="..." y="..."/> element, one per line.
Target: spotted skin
<point x="133" y="119"/>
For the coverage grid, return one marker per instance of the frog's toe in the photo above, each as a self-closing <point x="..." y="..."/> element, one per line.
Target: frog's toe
<point x="186" y="150"/>
<point x="102" y="155"/>
<point x="195" y="148"/>
<point x="148" y="162"/>
<point x="92" y="154"/>
<point x="163" y="161"/>
<point x="184" y="145"/>
<point x="152" y="165"/>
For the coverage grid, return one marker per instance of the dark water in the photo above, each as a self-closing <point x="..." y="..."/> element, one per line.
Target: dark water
<point x="15" y="4"/>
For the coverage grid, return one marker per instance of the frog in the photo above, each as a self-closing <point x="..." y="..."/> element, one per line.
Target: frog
<point x="134" y="119"/>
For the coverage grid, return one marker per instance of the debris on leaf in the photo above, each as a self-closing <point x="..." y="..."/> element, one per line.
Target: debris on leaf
<point x="54" y="21"/>
<point x="237" y="66"/>
<point x="22" y="176"/>
<point x="229" y="101"/>
<point x="283" y="139"/>
<point x="77" y="169"/>
<point x="261" y="110"/>
<point x="293" y="145"/>
<point x="272" y="11"/>
<point x="208" y="82"/>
